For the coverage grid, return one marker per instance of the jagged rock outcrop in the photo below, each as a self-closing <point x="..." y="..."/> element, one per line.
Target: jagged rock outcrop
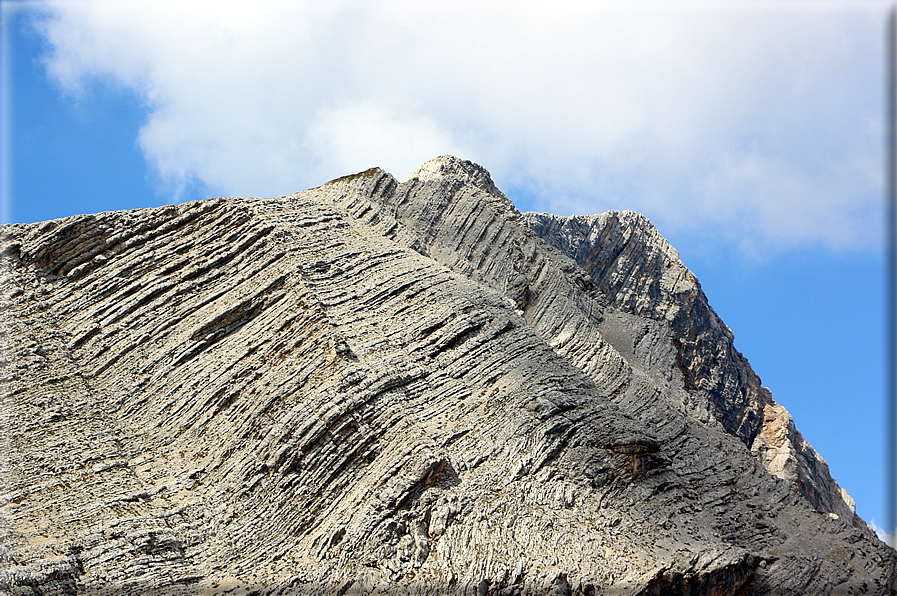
<point x="640" y="273"/>
<point x="405" y="387"/>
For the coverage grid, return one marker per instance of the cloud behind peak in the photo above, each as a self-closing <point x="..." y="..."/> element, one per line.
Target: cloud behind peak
<point x="759" y="120"/>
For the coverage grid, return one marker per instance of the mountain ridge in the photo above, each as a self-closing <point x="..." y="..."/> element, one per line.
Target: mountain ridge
<point x="767" y="428"/>
<point x="670" y="291"/>
<point x="374" y="385"/>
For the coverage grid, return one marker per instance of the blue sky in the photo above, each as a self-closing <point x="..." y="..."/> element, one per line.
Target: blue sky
<point x="749" y="132"/>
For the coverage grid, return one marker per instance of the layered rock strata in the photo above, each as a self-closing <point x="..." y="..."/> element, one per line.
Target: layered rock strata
<point x="639" y="273"/>
<point x="376" y="386"/>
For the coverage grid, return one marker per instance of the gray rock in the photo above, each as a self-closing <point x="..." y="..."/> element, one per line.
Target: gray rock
<point x="384" y="387"/>
<point x="641" y="274"/>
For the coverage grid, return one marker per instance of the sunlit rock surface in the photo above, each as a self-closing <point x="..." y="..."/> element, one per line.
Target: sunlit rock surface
<point x="384" y="387"/>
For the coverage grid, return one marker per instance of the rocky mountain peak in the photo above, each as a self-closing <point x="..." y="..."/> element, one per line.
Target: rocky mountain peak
<point x="449" y="166"/>
<point x="394" y="388"/>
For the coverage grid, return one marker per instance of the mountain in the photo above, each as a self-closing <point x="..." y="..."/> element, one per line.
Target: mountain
<point x="385" y="387"/>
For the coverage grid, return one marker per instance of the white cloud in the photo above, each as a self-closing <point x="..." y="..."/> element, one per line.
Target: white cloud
<point x="354" y="137"/>
<point x="884" y="536"/>
<point x="757" y="119"/>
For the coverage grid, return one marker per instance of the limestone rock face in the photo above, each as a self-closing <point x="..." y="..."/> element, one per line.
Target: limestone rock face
<point x="384" y="387"/>
<point x="640" y="273"/>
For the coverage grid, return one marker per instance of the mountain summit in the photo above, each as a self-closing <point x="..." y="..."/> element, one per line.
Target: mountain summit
<point x="394" y="388"/>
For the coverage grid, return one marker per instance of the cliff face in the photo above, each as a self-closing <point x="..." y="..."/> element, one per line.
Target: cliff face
<point x="408" y="387"/>
<point x="638" y="272"/>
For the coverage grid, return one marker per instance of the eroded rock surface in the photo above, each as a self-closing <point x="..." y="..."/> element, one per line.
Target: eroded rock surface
<point x="396" y="387"/>
<point x="640" y="273"/>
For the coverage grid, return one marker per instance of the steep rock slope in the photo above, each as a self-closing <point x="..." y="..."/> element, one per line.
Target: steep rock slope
<point x="625" y="268"/>
<point x="640" y="273"/>
<point x="369" y="385"/>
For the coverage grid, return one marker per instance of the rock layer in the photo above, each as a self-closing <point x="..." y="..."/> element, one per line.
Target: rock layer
<point x="404" y="387"/>
<point x="641" y="274"/>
